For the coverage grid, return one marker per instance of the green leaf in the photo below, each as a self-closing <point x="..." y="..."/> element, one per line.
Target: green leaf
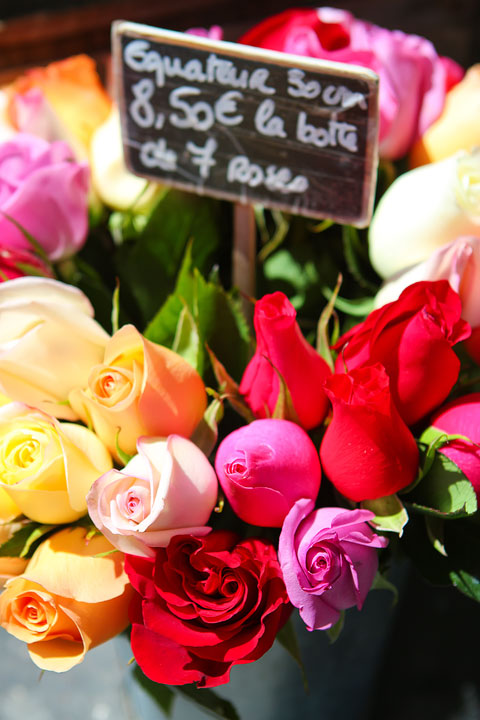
<point x="163" y="695"/>
<point x="334" y="632"/>
<point x="467" y="584"/>
<point x="444" y="491"/>
<point x="380" y="582"/>
<point x="284" y="408"/>
<point x="282" y="226"/>
<point x="22" y="542"/>
<point x="436" y="533"/>
<point x="206" y="433"/>
<point x="229" y="388"/>
<point x="356" y="257"/>
<point x="323" y="340"/>
<point x="287" y="637"/>
<point x="390" y="514"/>
<point x="37" y="248"/>
<point x="124" y="457"/>
<point x="115" y="308"/>
<point x="356" y="308"/>
<point x="209" y="701"/>
<point x="187" y="341"/>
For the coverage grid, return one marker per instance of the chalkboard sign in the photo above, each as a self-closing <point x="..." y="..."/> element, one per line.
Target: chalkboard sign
<point x="246" y="124"/>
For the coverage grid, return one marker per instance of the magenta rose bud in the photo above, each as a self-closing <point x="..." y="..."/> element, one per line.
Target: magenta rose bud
<point x="328" y="559"/>
<point x="367" y="451"/>
<point x="265" y="467"/>
<point x="281" y="345"/>
<point x="462" y="417"/>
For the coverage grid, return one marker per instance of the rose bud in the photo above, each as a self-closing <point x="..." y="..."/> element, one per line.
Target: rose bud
<point x="141" y="388"/>
<point x="367" y="450"/>
<point x="168" y="489"/>
<point x="412" y="338"/>
<point x="281" y="346"/>
<point x="462" y="417"/>
<point x="265" y="467"/>
<point x="73" y="595"/>
<point x="328" y="559"/>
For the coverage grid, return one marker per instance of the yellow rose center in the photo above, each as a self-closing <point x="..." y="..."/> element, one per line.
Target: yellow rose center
<point x="23" y="450"/>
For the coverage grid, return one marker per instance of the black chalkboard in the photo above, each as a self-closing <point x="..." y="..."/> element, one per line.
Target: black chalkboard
<point x="248" y="125"/>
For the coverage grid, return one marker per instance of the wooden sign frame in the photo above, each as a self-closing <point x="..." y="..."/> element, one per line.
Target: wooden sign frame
<point x="246" y="124"/>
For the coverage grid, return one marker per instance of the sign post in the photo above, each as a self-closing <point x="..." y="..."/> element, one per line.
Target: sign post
<point x="248" y="125"/>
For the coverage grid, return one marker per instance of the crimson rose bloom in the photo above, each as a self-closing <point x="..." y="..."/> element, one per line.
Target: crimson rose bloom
<point x="412" y="338"/>
<point x="203" y="605"/>
<point x="281" y="345"/>
<point x="367" y="450"/>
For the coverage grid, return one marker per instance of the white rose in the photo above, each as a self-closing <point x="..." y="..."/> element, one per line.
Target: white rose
<point x="423" y="210"/>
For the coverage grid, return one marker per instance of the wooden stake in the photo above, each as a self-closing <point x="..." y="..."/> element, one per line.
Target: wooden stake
<point x="244" y="252"/>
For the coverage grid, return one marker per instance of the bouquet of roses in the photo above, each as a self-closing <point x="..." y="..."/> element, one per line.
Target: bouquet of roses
<point x="163" y="467"/>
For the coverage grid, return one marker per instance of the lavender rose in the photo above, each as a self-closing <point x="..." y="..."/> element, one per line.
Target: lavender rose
<point x="328" y="559"/>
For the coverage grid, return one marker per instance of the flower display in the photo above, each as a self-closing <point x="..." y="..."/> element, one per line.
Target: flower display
<point x="265" y="467"/>
<point x="328" y="559"/>
<point x="413" y="78"/>
<point x="191" y="461"/>
<point x="169" y="488"/>
<point x="236" y="604"/>
<point x="43" y="192"/>
<point x="281" y="348"/>
<point x="68" y="599"/>
<point x="140" y="389"/>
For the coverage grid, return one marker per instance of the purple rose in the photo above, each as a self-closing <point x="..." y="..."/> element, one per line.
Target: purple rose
<point x="328" y="559"/>
<point x="45" y="192"/>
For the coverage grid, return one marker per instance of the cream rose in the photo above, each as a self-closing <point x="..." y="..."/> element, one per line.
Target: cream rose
<point x="168" y="489"/>
<point x="423" y="210"/>
<point x="47" y="467"/>
<point x="48" y="342"/>
<point x="141" y="388"/>
<point x="68" y="600"/>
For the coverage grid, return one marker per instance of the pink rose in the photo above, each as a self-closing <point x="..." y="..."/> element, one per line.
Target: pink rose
<point x="281" y="346"/>
<point x="214" y="32"/>
<point x="462" y="417"/>
<point x="265" y="467"/>
<point x="413" y="78"/>
<point x="168" y="489"/>
<point x="328" y="559"/>
<point x="45" y="192"/>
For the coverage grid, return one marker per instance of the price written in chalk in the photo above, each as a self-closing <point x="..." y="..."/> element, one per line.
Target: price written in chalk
<point x="247" y="124"/>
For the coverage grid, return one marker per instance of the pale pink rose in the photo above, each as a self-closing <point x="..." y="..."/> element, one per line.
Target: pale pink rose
<point x="413" y="78"/>
<point x="214" y="32"/>
<point x="458" y="262"/>
<point x="168" y="489"/>
<point x="45" y="192"/>
<point x="264" y="467"/>
<point x="328" y="559"/>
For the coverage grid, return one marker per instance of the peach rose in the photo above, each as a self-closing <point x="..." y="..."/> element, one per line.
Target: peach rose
<point x="48" y="342"/>
<point x="168" y="489"/>
<point x="62" y="101"/>
<point x="47" y="467"/>
<point x="141" y="388"/>
<point x="457" y="128"/>
<point x="68" y="600"/>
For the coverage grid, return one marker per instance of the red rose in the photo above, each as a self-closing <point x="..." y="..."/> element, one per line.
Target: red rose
<point x="203" y="605"/>
<point x="367" y="450"/>
<point x="18" y="263"/>
<point x="412" y="338"/>
<point x="280" y="339"/>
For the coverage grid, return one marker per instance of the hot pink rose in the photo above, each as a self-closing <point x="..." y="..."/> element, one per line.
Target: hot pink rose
<point x="328" y="559"/>
<point x="18" y="263"/>
<point x="265" y="467"/>
<point x="281" y="345"/>
<point x="462" y="417"/>
<point x="168" y="489"/>
<point x="367" y="450"/>
<point x="45" y="192"/>
<point x="413" y="78"/>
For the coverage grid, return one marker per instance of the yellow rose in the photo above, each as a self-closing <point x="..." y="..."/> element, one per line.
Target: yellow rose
<point x="140" y="389"/>
<point x="68" y="600"/>
<point x="47" y="467"/>
<point x="457" y="128"/>
<point x="48" y="342"/>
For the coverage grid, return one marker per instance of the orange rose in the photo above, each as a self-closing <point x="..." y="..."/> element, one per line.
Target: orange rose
<point x="64" y="100"/>
<point x="140" y="389"/>
<point x="68" y="600"/>
<point x="457" y="128"/>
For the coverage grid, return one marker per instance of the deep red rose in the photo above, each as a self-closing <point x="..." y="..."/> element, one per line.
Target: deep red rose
<point x="412" y="338"/>
<point x="281" y="345"/>
<point x="18" y="263"/>
<point x="367" y="450"/>
<point x="203" y="605"/>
